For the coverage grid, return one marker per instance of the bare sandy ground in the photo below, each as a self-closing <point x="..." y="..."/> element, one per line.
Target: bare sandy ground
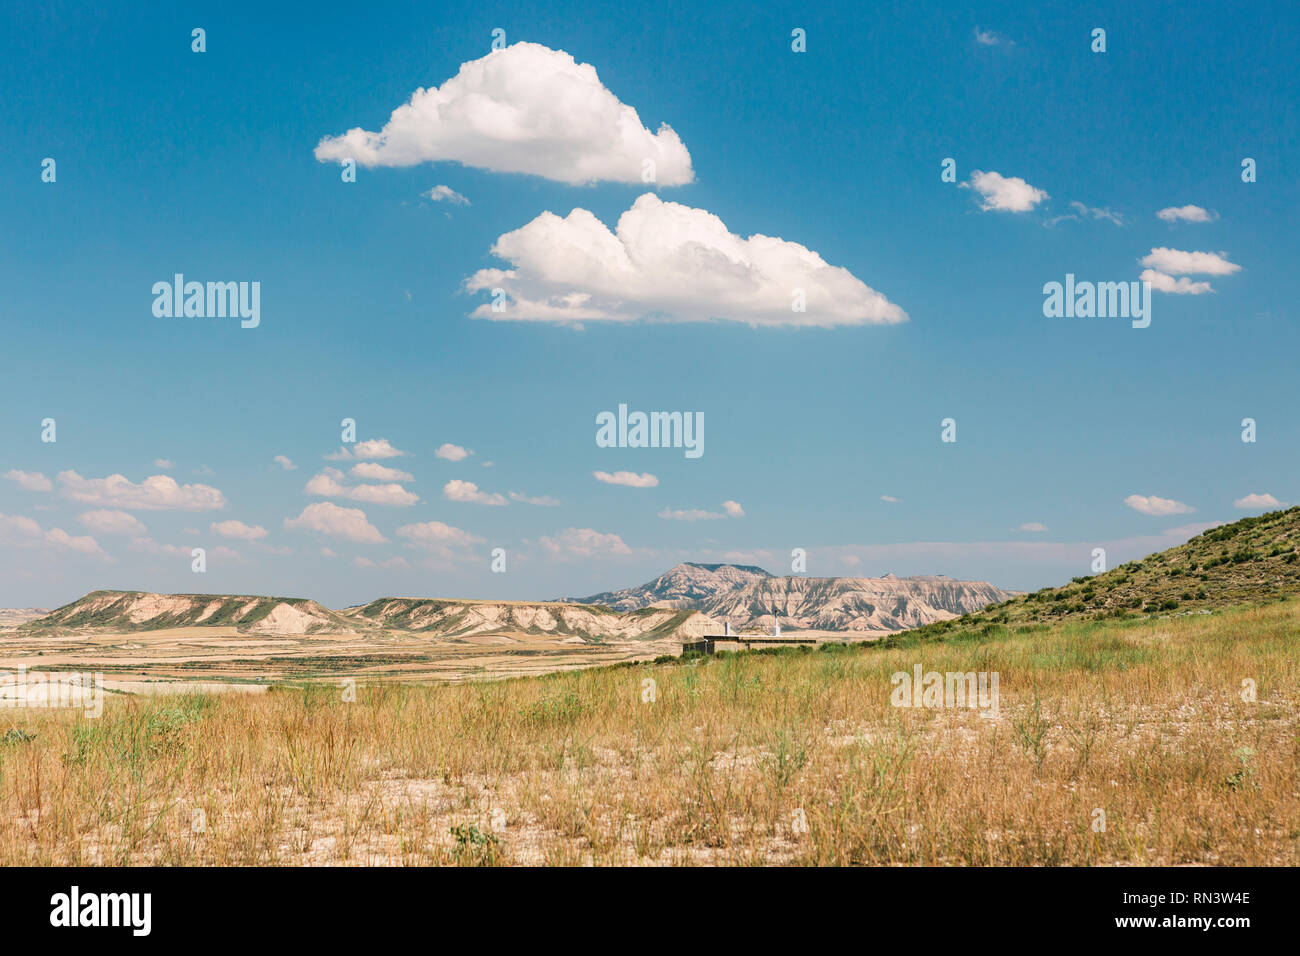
<point x="217" y="658"/>
<point x="188" y="659"/>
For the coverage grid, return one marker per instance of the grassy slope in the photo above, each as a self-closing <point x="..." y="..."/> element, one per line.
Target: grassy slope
<point x="1250" y="561"/>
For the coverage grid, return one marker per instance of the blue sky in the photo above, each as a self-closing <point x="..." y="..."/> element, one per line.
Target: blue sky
<point x="203" y="163"/>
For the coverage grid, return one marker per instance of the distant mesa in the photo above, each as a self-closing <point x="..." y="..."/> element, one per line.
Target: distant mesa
<point x="126" y="611"/>
<point x="686" y="602"/>
<point x="749" y="597"/>
<point x="131" y="611"/>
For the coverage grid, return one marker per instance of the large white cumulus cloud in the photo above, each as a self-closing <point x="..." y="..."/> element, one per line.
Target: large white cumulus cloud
<point x="524" y="109"/>
<point x="666" y="259"/>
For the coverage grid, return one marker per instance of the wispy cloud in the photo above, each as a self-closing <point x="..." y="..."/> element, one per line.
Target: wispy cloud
<point x="990" y="38"/>
<point x="1083" y="211"/>
<point x="629" y="479"/>
<point x="438" y="538"/>
<point x="544" y="501"/>
<point x="584" y="543"/>
<point x="730" y="509"/>
<point x="107" y="521"/>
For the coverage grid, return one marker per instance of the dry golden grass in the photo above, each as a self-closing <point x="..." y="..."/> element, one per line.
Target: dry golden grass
<point x="1144" y="721"/>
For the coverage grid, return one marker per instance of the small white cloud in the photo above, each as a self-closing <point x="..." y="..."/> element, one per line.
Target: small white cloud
<point x="667" y="260"/>
<point x="371" y="448"/>
<point x="447" y="194"/>
<point x="467" y="491"/>
<point x="376" y="448"/>
<point x="237" y="529"/>
<point x="157" y="493"/>
<point x="890" y="498"/>
<point x="1163" y="264"/>
<point x="30" y="480"/>
<point x="329" y="484"/>
<point x="328" y="518"/>
<point x="584" y="543"/>
<point x="438" y="537"/>
<point x="987" y="37"/>
<point x="629" y="479"/>
<point x="733" y="509"/>
<point x="1152" y="505"/>
<point x="1180" y="286"/>
<point x="1177" y="262"/>
<point x="524" y="109"/>
<point x="80" y="544"/>
<point x="23" y="532"/>
<point x="1186" y="214"/>
<point x="450" y="452"/>
<point x="373" y="472"/>
<point x="1033" y="526"/>
<point x="113" y="522"/>
<point x="163" y="463"/>
<point x="285" y="462"/>
<point x="1004" y="193"/>
<point x="1257" y="501"/>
